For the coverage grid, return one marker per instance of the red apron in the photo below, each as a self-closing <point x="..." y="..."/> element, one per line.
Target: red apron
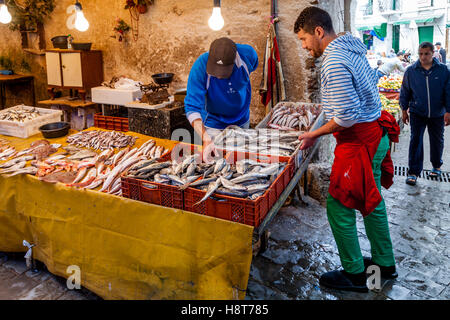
<point x="352" y="182"/>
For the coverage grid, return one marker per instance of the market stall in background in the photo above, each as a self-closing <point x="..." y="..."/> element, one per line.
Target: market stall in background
<point x="389" y="87"/>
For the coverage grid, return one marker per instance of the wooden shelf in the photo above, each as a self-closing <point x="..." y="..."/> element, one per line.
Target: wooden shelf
<point x="35" y="51"/>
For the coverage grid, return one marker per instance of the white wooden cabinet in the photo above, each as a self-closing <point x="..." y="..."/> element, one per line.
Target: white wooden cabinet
<point x="73" y="69"/>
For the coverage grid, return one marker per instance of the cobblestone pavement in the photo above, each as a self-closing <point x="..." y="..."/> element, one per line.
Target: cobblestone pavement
<point x="301" y="247"/>
<point x="17" y="282"/>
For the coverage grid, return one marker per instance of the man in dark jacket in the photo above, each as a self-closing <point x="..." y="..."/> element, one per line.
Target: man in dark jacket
<point x="425" y="93"/>
<point x="442" y="52"/>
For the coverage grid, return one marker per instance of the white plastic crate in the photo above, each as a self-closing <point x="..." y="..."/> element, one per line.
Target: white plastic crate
<point x="30" y="127"/>
<point x="116" y="97"/>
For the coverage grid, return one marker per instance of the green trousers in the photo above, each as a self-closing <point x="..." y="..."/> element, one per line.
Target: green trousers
<point x="343" y="225"/>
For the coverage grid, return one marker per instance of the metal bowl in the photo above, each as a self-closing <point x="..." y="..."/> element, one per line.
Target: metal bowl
<point x="82" y="45"/>
<point x="55" y="129"/>
<point x="163" y="78"/>
<point x="60" y="42"/>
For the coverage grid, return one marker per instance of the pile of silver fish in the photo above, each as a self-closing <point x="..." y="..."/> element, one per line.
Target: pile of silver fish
<point x="19" y="113"/>
<point x="77" y="167"/>
<point x="245" y="179"/>
<point x="17" y="166"/>
<point x="262" y="141"/>
<point x="294" y="116"/>
<point x="101" y="140"/>
<point x="6" y="152"/>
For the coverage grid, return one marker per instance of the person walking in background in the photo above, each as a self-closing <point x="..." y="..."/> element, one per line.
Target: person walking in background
<point x="437" y="56"/>
<point x="362" y="162"/>
<point x="425" y="94"/>
<point x="392" y="64"/>
<point x="442" y="52"/>
<point x="377" y="69"/>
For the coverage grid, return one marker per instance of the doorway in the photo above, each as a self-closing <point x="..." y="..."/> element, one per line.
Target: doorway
<point x="426" y="34"/>
<point x="396" y="38"/>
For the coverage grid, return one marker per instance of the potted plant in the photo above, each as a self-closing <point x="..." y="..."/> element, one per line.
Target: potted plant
<point x="139" y="5"/>
<point x="30" y="14"/>
<point x="121" y="27"/>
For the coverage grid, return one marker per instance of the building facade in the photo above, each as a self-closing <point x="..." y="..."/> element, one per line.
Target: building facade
<point x="396" y="25"/>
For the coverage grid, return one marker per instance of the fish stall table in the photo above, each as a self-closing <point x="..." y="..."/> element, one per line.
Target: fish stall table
<point x="68" y="106"/>
<point x="260" y="234"/>
<point x="125" y="249"/>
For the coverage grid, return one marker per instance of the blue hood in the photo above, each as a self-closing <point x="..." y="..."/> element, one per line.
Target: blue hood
<point x="348" y="43"/>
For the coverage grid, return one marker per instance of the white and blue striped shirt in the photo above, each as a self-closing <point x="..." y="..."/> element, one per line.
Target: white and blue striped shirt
<point x="349" y="85"/>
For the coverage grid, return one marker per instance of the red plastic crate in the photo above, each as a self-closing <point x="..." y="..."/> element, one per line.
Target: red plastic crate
<point x="111" y="123"/>
<point x="250" y="212"/>
<point x="152" y="192"/>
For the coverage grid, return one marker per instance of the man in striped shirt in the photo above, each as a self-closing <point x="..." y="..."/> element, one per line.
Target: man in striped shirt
<point x="353" y="109"/>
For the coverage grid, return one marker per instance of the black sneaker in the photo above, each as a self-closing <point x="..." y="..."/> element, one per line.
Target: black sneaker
<point x="386" y="272"/>
<point x="342" y="280"/>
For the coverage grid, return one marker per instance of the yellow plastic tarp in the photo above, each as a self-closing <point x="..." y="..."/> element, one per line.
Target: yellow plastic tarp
<point x="125" y="249"/>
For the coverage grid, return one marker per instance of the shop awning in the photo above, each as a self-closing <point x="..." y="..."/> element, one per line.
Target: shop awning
<point x="448" y="25"/>
<point x="379" y="31"/>
<point x="425" y="20"/>
<point x="429" y="18"/>
<point x="401" y="22"/>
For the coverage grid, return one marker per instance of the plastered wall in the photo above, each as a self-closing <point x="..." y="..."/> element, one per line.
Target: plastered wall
<point x="171" y="35"/>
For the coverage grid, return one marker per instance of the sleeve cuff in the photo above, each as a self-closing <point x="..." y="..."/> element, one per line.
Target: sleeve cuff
<point x="345" y="123"/>
<point x="193" y="116"/>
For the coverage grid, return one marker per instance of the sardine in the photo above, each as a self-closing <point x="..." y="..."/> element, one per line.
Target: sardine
<point x="176" y="179"/>
<point x="117" y="171"/>
<point x="232" y="186"/>
<point x="219" y="165"/>
<point x="212" y="187"/>
<point x="12" y="162"/>
<point x="14" y="168"/>
<point x="257" y="188"/>
<point x="232" y="193"/>
<point x="248" y="176"/>
<point x="190" y="169"/>
<point x="27" y="170"/>
<point x="153" y="166"/>
<point x="80" y="175"/>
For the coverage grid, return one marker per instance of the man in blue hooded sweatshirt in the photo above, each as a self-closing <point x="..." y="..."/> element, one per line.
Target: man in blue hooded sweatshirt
<point x="219" y="89"/>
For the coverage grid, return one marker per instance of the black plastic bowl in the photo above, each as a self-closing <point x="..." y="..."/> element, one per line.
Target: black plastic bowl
<point x="163" y="78"/>
<point x="82" y="45"/>
<point x="55" y="129"/>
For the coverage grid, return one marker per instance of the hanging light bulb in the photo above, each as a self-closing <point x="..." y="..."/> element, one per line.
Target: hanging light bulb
<point x="5" y="16"/>
<point x="81" y="24"/>
<point x="216" y="21"/>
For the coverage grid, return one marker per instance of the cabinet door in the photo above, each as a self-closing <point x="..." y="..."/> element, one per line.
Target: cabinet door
<point x="71" y="69"/>
<point x="53" y="68"/>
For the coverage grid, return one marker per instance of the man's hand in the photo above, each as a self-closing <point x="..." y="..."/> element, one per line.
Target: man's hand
<point x="209" y="150"/>
<point x="405" y="116"/>
<point x="447" y="119"/>
<point x="307" y="139"/>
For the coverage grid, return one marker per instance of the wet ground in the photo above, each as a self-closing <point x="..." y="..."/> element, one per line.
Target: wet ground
<point x="301" y="248"/>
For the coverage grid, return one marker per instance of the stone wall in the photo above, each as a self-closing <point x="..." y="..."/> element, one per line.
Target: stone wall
<point x="172" y="34"/>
